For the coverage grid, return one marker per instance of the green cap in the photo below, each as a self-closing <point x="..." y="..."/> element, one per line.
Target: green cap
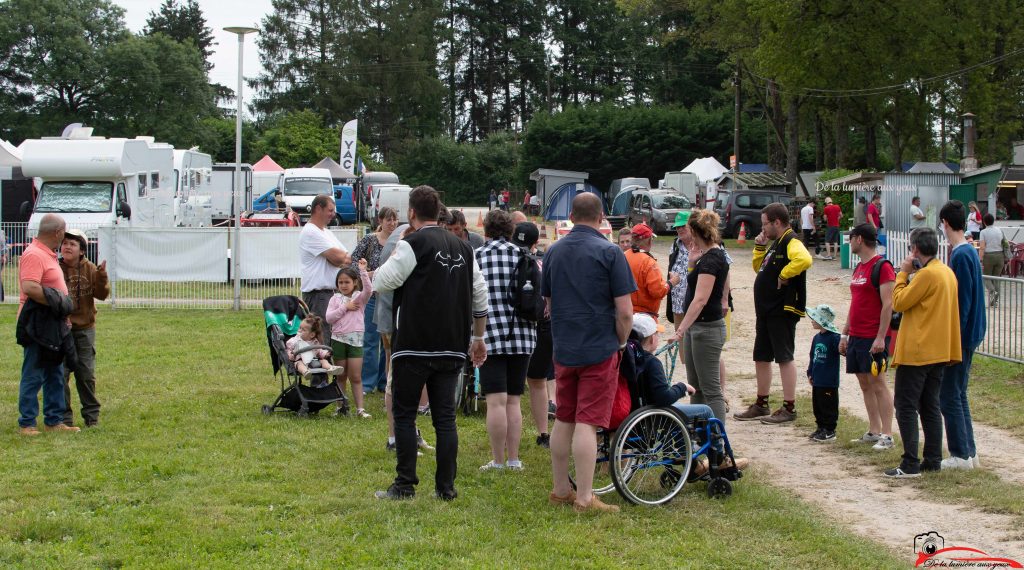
<point x="681" y="219"/>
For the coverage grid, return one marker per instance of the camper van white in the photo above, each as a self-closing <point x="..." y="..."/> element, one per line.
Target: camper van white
<point x="192" y="188"/>
<point x="222" y="190"/>
<point x="94" y="182"/>
<point x="300" y="185"/>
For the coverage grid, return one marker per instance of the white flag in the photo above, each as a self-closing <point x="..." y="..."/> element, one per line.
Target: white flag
<point x="348" y="145"/>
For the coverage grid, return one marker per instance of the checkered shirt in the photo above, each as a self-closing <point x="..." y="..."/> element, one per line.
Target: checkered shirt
<point x="506" y="334"/>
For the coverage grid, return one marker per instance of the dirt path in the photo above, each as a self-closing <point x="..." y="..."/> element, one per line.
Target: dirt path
<point x="877" y="508"/>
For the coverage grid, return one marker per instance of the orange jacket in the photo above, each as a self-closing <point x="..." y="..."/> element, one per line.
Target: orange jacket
<point x="651" y="285"/>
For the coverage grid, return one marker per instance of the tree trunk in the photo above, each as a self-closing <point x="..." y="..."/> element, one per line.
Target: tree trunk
<point x="777" y="154"/>
<point x="871" y="145"/>
<point x="819" y="143"/>
<point x="793" y="139"/>
<point x="842" y="137"/>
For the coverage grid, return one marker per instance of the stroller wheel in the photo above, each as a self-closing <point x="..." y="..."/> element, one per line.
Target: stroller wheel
<point x="303" y="413"/>
<point x="267" y="410"/>
<point x="719" y="487"/>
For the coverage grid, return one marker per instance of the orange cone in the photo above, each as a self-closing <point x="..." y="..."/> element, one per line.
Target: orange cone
<point x="479" y="219"/>
<point x="742" y="238"/>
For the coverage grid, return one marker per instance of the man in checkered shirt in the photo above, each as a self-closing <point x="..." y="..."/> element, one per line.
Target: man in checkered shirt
<point x="510" y="341"/>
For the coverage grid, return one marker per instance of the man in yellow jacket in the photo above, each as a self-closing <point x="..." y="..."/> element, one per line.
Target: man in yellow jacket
<point x="928" y="341"/>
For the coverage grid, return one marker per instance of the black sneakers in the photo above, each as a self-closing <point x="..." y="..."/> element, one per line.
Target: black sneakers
<point x="823" y="436"/>
<point x="544" y="440"/>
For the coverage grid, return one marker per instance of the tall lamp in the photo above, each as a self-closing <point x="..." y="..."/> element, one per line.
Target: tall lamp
<point x="241" y="32"/>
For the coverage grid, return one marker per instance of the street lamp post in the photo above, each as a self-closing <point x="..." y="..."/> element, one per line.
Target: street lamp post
<point x="241" y="32"/>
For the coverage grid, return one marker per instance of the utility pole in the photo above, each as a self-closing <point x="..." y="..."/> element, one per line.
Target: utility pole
<point x="736" y="118"/>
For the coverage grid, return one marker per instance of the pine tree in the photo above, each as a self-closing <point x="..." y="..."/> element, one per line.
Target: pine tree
<point x="183" y="22"/>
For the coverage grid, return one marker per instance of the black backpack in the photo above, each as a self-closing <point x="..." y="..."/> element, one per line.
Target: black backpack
<point x="876" y="277"/>
<point x="527" y="301"/>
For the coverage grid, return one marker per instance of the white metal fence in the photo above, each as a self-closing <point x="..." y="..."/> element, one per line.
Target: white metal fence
<point x="1004" y="336"/>
<point x="185" y="267"/>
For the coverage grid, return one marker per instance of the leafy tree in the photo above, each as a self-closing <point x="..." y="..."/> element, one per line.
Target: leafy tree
<point x="183" y="22"/>
<point x="464" y="171"/>
<point x="216" y="136"/>
<point x="297" y="139"/>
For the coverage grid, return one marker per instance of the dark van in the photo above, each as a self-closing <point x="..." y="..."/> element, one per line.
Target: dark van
<point x="736" y="207"/>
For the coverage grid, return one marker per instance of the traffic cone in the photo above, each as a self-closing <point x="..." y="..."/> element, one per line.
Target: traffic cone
<point x="479" y="219"/>
<point x="742" y="238"/>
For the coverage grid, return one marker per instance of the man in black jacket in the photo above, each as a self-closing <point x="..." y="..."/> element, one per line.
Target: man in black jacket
<point x="439" y="292"/>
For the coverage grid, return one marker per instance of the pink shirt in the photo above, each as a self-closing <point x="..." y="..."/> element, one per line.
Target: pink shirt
<point x="39" y="264"/>
<point x="341" y="319"/>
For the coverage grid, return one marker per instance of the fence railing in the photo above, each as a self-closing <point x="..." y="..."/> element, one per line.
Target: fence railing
<point x="1004" y="337"/>
<point x="185" y="267"/>
<point x="897" y="247"/>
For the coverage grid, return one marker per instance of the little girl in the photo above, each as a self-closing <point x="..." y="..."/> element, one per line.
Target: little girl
<point x="309" y="333"/>
<point x="345" y="315"/>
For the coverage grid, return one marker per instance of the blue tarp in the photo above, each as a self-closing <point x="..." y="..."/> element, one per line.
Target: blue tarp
<point x="560" y="202"/>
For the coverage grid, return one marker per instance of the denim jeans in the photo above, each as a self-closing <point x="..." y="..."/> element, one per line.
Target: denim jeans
<point x="917" y="393"/>
<point x="35" y="375"/>
<point x="409" y="375"/>
<point x="955" y="410"/>
<point x="699" y="412"/>
<point x="373" y="357"/>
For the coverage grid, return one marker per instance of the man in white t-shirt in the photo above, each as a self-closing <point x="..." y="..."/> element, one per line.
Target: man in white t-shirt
<point x="807" y="225"/>
<point x="917" y="217"/>
<point x="321" y="255"/>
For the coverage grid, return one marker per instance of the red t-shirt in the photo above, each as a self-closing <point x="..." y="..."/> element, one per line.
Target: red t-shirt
<point x="832" y="213"/>
<point x="865" y="302"/>
<point x="873" y="216"/>
<point x="39" y="264"/>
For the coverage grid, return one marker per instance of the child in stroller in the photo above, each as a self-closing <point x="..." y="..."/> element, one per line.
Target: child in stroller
<point x="303" y="351"/>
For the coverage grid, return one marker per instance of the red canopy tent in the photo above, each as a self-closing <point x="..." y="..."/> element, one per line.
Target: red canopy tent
<point x="267" y="164"/>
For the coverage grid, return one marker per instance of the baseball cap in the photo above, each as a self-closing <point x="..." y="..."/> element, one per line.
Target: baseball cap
<point x="681" y="219"/>
<point x="79" y="235"/>
<point x="828" y="200"/>
<point x="645" y="326"/>
<point x="642" y="231"/>
<point x="525" y="234"/>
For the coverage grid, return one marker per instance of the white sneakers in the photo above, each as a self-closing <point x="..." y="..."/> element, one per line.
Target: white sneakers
<point x="884" y="442"/>
<point x="957" y="463"/>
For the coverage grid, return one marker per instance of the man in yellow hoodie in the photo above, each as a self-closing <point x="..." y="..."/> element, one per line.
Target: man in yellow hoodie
<point x="928" y="341"/>
<point x="86" y="282"/>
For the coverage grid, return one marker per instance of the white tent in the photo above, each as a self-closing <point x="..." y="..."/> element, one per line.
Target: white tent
<point x="707" y="169"/>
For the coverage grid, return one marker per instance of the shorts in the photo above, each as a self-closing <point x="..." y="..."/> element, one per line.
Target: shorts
<point x="858" y="354"/>
<point x="344" y="351"/>
<point x="832" y="234"/>
<point x="585" y="394"/>
<point x="775" y="338"/>
<point x="541" y="363"/>
<point x="504" y="374"/>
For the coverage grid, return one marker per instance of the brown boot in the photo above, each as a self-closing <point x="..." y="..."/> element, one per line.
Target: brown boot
<point x="753" y="412"/>
<point x="63" y="428"/>
<point x="29" y="430"/>
<point x="569" y="499"/>
<point x="596" y="505"/>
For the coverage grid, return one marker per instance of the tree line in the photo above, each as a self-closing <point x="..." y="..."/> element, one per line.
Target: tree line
<point x="474" y="94"/>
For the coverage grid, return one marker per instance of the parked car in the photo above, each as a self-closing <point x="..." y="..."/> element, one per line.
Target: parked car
<point x="394" y="195"/>
<point x="736" y="207"/>
<point x="657" y="208"/>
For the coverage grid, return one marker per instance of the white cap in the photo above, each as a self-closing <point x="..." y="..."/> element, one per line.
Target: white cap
<point x="645" y="326"/>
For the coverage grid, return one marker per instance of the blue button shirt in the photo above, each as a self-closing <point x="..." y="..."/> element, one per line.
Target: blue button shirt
<point x="583" y="274"/>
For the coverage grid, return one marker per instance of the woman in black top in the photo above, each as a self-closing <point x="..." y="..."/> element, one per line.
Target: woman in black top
<point x="702" y="331"/>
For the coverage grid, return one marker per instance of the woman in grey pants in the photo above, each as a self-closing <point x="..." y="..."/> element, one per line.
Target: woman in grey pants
<point x="703" y="327"/>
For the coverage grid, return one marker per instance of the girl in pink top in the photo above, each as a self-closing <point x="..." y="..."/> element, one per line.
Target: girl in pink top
<point x="345" y="315"/>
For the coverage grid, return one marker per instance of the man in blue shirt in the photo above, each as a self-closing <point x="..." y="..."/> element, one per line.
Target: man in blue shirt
<point x="586" y="283"/>
<point x="956" y="412"/>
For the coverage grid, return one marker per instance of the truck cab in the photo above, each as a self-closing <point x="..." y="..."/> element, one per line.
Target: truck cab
<point x="298" y="187"/>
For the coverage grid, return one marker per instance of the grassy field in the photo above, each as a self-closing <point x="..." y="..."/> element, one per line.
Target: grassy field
<point x="997" y="393"/>
<point x="185" y="472"/>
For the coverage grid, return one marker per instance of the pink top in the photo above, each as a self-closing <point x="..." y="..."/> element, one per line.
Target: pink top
<point x="341" y="319"/>
<point x="39" y="264"/>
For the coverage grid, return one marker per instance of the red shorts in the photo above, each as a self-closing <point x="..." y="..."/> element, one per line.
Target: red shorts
<point x="585" y="394"/>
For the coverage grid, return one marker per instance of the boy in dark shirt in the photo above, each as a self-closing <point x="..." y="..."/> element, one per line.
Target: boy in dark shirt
<point x="823" y="373"/>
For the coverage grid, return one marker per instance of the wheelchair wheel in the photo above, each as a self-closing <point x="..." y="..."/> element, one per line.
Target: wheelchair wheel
<point x="460" y="390"/>
<point x="650" y="455"/>
<point x="602" y="469"/>
<point x="719" y="487"/>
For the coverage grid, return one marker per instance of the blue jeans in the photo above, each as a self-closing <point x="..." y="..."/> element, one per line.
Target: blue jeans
<point x="956" y="412"/>
<point x="373" y="357"/>
<point x="49" y="377"/>
<point x="699" y="412"/>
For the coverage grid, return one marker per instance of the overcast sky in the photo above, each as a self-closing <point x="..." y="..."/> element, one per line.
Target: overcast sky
<point x="219" y="14"/>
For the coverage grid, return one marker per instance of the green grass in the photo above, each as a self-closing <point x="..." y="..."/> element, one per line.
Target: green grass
<point x="996" y="392"/>
<point x="185" y="472"/>
<point x="980" y="487"/>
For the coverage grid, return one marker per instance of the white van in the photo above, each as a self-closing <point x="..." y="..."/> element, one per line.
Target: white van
<point x="222" y="190"/>
<point x="393" y="195"/>
<point x="300" y="185"/>
<point x="192" y="188"/>
<point x="94" y="181"/>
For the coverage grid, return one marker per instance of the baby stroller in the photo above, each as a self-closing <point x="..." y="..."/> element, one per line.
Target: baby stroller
<point x="283" y="314"/>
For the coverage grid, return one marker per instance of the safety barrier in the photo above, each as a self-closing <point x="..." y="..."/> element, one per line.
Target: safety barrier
<point x="1004" y="337"/>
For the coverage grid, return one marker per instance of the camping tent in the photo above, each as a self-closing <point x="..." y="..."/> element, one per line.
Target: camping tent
<point x="337" y="172"/>
<point x="267" y="164"/>
<point x="560" y="201"/>
<point x="620" y="205"/>
<point x="706" y="169"/>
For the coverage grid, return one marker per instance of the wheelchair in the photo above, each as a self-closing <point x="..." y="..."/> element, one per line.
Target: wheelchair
<point x="653" y="452"/>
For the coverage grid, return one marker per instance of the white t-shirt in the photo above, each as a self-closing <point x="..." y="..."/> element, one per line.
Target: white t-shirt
<point x="317" y="272"/>
<point x="807" y="217"/>
<point x="916" y="222"/>
<point x="993" y="238"/>
<point x="973" y="222"/>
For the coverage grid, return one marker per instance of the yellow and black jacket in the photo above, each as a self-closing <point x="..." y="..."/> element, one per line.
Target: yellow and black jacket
<point x="785" y="258"/>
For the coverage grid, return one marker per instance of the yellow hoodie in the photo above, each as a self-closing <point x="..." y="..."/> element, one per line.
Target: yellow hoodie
<point x="930" y="330"/>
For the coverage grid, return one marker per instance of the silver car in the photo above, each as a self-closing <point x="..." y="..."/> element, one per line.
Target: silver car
<point x="657" y="208"/>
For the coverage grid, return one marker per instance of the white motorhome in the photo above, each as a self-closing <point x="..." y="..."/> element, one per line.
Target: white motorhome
<point x="94" y="181"/>
<point x="222" y="190"/>
<point x="393" y="195"/>
<point x="192" y="188"/>
<point x="300" y="185"/>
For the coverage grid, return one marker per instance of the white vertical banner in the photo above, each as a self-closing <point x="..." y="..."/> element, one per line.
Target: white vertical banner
<point x="347" y="159"/>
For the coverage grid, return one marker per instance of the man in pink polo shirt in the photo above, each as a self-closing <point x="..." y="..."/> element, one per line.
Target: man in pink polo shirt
<point x="39" y="269"/>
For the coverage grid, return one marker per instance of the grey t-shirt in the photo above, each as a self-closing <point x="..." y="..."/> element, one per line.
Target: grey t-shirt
<point x="382" y="314"/>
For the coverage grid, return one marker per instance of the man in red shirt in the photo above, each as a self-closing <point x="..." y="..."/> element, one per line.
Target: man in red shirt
<point x="874" y="211"/>
<point x="832" y="214"/>
<point x="865" y="338"/>
<point x="38" y="269"/>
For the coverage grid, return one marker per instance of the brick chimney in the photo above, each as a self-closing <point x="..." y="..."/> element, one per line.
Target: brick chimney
<point x="969" y="162"/>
